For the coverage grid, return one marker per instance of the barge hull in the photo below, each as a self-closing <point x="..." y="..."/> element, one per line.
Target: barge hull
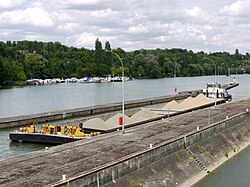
<point x="41" y="138"/>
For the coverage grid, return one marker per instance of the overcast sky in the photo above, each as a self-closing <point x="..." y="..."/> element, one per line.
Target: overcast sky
<point x="205" y="25"/>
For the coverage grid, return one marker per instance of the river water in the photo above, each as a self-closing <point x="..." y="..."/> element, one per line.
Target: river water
<point x="37" y="99"/>
<point x="234" y="173"/>
<point x="47" y="98"/>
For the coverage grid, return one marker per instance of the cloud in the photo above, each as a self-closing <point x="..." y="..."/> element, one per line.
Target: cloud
<point x="85" y="39"/>
<point x="239" y="8"/>
<point x="207" y="25"/>
<point x="62" y="17"/>
<point x="8" y="4"/>
<point x="196" y="34"/>
<point x="196" y="14"/>
<point x="30" y="16"/>
<point x="6" y="34"/>
<point x="106" y="14"/>
<point x="69" y="27"/>
<point x="138" y="29"/>
<point x="85" y="4"/>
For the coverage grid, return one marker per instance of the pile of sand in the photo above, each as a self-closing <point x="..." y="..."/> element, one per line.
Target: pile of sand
<point x="113" y="122"/>
<point x="202" y="99"/>
<point x="171" y="105"/>
<point x="142" y="115"/>
<point x="95" y="123"/>
<point x="189" y="103"/>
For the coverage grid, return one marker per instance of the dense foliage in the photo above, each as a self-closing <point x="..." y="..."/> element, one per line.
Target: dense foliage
<point x="22" y="60"/>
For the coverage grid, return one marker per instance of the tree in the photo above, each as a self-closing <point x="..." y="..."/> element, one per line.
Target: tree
<point x="25" y="59"/>
<point x="21" y="76"/>
<point x="99" y="54"/>
<point x="35" y="66"/>
<point x="193" y="69"/>
<point x="237" y="54"/>
<point x="141" y="71"/>
<point x="3" y="77"/>
<point x="152" y="67"/>
<point x="108" y="55"/>
<point x="168" y="67"/>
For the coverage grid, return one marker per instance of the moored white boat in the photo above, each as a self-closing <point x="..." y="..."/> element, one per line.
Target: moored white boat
<point x="119" y="79"/>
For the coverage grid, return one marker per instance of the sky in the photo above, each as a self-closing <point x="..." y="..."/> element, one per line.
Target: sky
<point x="205" y="25"/>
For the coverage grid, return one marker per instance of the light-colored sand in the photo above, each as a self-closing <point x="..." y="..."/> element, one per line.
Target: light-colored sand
<point x="171" y="105"/>
<point x="202" y="99"/>
<point x="95" y="123"/>
<point x="142" y="115"/>
<point x="113" y="122"/>
<point x="189" y="103"/>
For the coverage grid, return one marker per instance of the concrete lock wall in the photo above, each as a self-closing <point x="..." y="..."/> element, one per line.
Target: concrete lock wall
<point x="131" y="163"/>
<point x="215" y="128"/>
<point x="121" y="167"/>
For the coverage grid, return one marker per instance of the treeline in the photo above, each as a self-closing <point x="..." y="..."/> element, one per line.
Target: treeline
<point x="22" y="60"/>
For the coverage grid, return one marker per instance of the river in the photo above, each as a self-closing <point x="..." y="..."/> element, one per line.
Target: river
<point x="234" y="173"/>
<point x="37" y="99"/>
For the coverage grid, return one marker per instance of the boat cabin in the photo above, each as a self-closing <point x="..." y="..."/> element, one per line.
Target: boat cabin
<point x="216" y="91"/>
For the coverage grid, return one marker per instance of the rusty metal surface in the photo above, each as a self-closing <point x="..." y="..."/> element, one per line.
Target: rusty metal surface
<point x="47" y="166"/>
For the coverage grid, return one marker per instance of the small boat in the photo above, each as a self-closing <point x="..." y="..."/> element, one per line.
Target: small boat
<point x="50" y="134"/>
<point x="119" y="79"/>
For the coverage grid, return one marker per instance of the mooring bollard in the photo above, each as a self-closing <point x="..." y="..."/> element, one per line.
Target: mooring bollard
<point x="63" y="177"/>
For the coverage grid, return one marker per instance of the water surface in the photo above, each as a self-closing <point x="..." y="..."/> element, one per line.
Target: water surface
<point x="47" y="98"/>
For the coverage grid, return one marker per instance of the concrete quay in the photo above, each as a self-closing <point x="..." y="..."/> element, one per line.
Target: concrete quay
<point x="107" y="159"/>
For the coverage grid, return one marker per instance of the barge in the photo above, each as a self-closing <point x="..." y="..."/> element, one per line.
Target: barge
<point x="50" y="134"/>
